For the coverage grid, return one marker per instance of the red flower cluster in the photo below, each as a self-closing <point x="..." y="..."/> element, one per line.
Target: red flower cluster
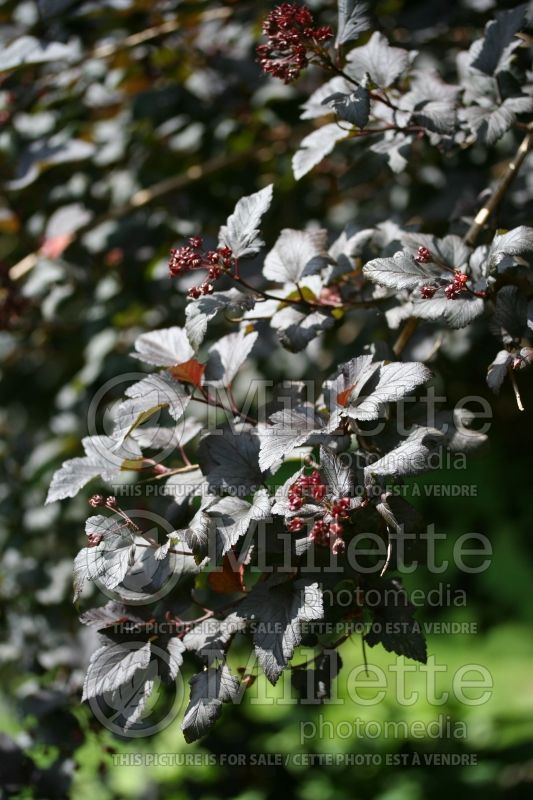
<point x="291" y="35"/>
<point x="423" y="256"/>
<point x="191" y="257"/>
<point x="328" y="530"/>
<point x="452" y="290"/>
<point x="457" y="286"/>
<point x="309" y="486"/>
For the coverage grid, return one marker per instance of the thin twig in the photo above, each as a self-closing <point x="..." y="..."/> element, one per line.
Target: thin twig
<point x="404" y="336"/>
<point x="497" y="196"/>
<point x="516" y="390"/>
<point x="155" y="545"/>
<point x="389" y="555"/>
<point x="365" y="660"/>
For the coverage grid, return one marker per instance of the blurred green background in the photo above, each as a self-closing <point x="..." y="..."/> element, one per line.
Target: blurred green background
<point x="108" y="158"/>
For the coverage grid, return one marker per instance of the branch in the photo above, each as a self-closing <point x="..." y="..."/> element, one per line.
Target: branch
<point x="516" y="390"/>
<point x="404" y="336"/>
<point x="497" y="196"/>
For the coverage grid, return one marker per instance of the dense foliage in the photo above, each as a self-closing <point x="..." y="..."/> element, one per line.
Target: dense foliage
<point x="247" y="468"/>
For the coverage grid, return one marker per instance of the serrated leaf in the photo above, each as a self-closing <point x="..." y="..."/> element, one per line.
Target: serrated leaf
<point x="349" y="380"/>
<point x="510" y="314"/>
<point x="488" y="123"/>
<point x="315" y="147"/>
<point x="146" y="398"/>
<point x="394" y="625"/>
<point x="457" y="313"/>
<point x="292" y="252"/>
<point x="108" y="561"/>
<point x="400" y="272"/>
<point x="112" y="665"/>
<point x="175" y="649"/>
<point x="241" y="232"/>
<point x="277" y="611"/>
<point x="516" y="242"/>
<point x="410" y="457"/>
<point x="205" y="308"/>
<point x="353" y="108"/>
<point x="131" y="698"/>
<point x="337" y="473"/>
<point x="209" y="689"/>
<point x="313" y="106"/>
<point x="227" y="356"/>
<point x="389" y="384"/>
<point x="209" y="639"/>
<point x="497" y="371"/>
<point x="109" y="615"/>
<point x="288" y="430"/>
<point x="164" y="348"/>
<point x="378" y="59"/>
<point x="104" y="456"/>
<point x="352" y="20"/>
<point x="436" y="115"/>
<point x="296" y="329"/>
<point x="499" y="34"/>
<point x="232" y="518"/>
<point x="229" y="460"/>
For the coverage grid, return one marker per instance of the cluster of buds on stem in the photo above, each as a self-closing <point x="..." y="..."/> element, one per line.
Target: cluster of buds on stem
<point x="306" y="486"/>
<point x="98" y="500"/>
<point x="328" y="530"/>
<point x="457" y="286"/>
<point x="191" y="257"/>
<point x="451" y="290"/>
<point x="423" y="256"/>
<point x="292" y="38"/>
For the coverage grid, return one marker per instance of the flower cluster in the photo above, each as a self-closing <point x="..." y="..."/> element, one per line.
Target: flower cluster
<point x="291" y="37"/>
<point x="327" y="530"/>
<point x="451" y="290"/>
<point x="191" y="257"/>
<point x="457" y="286"/>
<point x="423" y="256"/>
<point x="99" y="500"/>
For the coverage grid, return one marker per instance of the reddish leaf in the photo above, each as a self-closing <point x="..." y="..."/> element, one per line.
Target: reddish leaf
<point x="343" y="397"/>
<point x="228" y="580"/>
<point x="189" y="372"/>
